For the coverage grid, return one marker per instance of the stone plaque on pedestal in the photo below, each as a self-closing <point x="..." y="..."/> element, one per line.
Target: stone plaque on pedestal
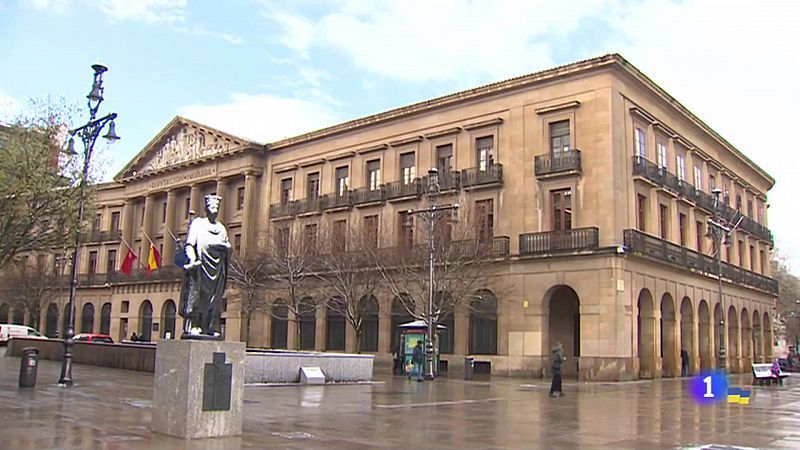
<point x="199" y="389"/>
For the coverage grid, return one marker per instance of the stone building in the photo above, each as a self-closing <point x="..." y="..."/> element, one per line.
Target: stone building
<point x="591" y="181"/>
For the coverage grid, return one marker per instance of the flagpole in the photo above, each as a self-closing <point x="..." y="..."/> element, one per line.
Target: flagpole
<point x="138" y="260"/>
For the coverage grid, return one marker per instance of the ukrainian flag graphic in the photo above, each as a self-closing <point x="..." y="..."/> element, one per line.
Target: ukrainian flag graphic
<point x="734" y="394"/>
<point x="744" y="398"/>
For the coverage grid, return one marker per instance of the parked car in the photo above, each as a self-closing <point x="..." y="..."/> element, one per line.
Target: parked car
<point x="92" y="337"/>
<point x="8" y="331"/>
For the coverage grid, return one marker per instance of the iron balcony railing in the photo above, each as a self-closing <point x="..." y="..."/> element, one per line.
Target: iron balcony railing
<point x="309" y="205"/>
<point x="338" y="201"/>
<point x="367" y="195"/>
<point x="101" y="236"/>
<point x="558" y="162"/>
<point x="449" y="180"/>
<point x="559" y="241"/>
<point x="493" y="174"/>
<point x="400" y="189"/>
<point x="281" y="209"/>
<point x="642" y="244"/>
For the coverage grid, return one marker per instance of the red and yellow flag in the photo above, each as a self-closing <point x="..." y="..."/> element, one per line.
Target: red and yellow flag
<point x="154" y="260"/>
<point x="127" y="264"/>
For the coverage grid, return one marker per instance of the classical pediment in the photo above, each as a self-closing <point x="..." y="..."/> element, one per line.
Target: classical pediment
<point x="182" y="142"/>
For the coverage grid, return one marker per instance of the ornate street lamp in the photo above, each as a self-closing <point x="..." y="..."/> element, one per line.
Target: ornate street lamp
<point x="719" y="233"/>
<point x="88" y="134"/>
<point x="432" y="214"/>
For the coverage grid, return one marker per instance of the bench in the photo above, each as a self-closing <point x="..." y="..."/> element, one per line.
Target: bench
<point x="762" y="374"/>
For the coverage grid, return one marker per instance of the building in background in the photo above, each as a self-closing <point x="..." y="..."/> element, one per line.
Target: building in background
<point x="591" y="183"/>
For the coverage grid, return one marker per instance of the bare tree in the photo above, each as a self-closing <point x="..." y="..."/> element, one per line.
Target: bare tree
<point x="248" y="277"/>
<point x="347" y="275"/>
<point x="464" y="253"/>
<point x="30" y="285"/>
<point x="292" y="258"/>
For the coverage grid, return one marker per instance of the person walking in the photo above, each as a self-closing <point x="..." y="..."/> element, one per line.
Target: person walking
<point x="557" y="358"/>
<point x="684" y="363"/>
<point x="417" y="358"/>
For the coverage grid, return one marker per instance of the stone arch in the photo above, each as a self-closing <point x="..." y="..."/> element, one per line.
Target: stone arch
<point x="105" y="318"/>
<point x="4" y="312"/>
<point x="307" y="324"/>
<point x="18" y="315"/>
<point x="146" y="321"/>
<point x="65" y="319"/>
<point x="766" y="327"/>
<point x="646" y="334"/>
<point x="447" y="319"/>
<point x="732" y="352"/>
<point x="51" y="321"/>
<point x="400" y="315"/>
<point x="168" y="312"/>
<point x="87" y="318"/>
<point x="758" y="337"/>
<point x="747" y="339"/>
<point x="368" y="341"/>
<point x="279" y="324"/>
<point x="563" y="325"/>
<point x="483" y="323"/>
<point x="670" y="358"/>
<point x="704" y="334"/>
<point x="335" y="330"/>
<point x="687" y="331"/>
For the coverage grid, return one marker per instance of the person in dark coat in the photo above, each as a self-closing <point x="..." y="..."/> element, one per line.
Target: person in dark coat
<point x="557" y="358"/>
<point x="684" y="363"/>
<point x="417" y="358"/>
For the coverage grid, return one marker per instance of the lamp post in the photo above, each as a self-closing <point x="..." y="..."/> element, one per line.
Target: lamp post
<point x="719" y="232"/>
<point x="431" y="215"/>
<point x="88" y="134"/>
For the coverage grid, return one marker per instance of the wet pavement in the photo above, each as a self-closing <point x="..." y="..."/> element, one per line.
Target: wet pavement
<point x="110" y="409"/>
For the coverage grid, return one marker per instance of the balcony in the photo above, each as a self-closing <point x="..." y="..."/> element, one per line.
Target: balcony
<point x="559" y="163"/>
<point x="309" y="205"/>
<point x="397" y="190"/>
<point x="366" y="195"/>
<point x="277" y="210"/>
<point x="475" y="177"/>
<point x="642" y="244"/>
<point x="559" y="241"/>
<point x="449" y="180"/>
<point x="164" y="273"/>
<point x="756" y="229"/>
<point x="334" y="201"/>
<point x="101" y="236"/>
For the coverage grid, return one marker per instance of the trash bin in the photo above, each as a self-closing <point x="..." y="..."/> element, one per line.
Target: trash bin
<point x="28" y="366"/>
<point x="469" y="368"/>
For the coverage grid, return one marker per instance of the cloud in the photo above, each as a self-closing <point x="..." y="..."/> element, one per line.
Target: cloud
<point x="54" y="6"/>
<point x="147" y="11"/>
<point x="9" y="107"/>
<point x="201" y="31"/>
<point x="263" y="117"/>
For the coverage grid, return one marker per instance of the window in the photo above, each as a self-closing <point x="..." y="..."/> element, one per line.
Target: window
<point x="114" y="221"/>
<point x="342" y="180"/>
<point x="40" y="262"/>
<point x="750" y="209"/>
<point x="408" y="171"/>
<point x="443" y="230"/>
<point x="752" y="258"/>
<point x="93" y="262"/>
<point x="237" y="243"/>
<point x="640" y="143"/>
<point x="339" y="243"/>
<point x="310" y="238"/>
<point x="662" y="219"/>
<point x="312" y="185"/>
<point x="682" y="228"/>
<point x="282" y="240"/>
<point x="739" y="202"/>
<point x="141" y="216"/>
<point x="661" y="155"/>
<point x="740" y="247"/>
<point x="286" y="191"/>
<point x="111" y="262"/>
<point x="240" y="198"/>
<point x="485" y="149"/>
<point x="761" y="213"/>
<point x="485" y="219"/>
<point x="405" y="229"/>
<point x="96" y="223"/>
<point x="712" y="182"/>
<point x="641" y="211"/>
<point x="374" y="174"/>
<point x="562" y="209"/>
<point x="125" y="306"/>
<point x="762" y="261"/>
<point x="164" y="212"/>
<point x="371" y="231"/>
<point x="559" y="137"/>
<point x="698" y="178"/>
<point x="188" y="208"/>
<point x="681" y="160"/>
<point x="444" y="157"/>
<point x="699" y="236"/>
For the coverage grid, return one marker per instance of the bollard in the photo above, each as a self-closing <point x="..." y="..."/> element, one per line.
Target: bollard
<point x="28" y="366"/>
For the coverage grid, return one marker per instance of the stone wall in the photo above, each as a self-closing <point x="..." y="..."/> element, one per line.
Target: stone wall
<point x="284" y="366"/>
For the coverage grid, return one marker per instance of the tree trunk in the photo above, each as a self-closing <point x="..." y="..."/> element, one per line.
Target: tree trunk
<point x="357" y="343"/>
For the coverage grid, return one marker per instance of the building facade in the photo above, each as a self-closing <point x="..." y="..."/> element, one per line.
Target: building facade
<point x="591" y="182"/>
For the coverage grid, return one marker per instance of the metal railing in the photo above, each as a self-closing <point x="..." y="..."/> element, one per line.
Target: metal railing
<point x="476" y="177"/>
<point x="337" y="201"/>
<point x="309" y="205"/>
<point x="101" y="236"/>
<point x="367" y="195"/>
<point x="643" y="244"/>
<point x="399" y="189"/>
<point x="558" y="241"/>
<point x="281" y="209"/>
<point x="558" y="162"/>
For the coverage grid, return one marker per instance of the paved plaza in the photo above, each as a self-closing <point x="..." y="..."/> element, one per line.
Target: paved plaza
<point x="110" y="409"/>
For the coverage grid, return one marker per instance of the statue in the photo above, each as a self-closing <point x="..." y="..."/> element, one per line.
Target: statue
<point x="205" y="274"/>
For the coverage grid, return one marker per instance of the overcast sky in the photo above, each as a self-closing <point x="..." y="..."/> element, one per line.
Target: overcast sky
<point x="271" y="69"/>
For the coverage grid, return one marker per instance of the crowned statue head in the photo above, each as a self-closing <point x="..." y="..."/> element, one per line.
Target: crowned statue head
<point x="212" y="206"/>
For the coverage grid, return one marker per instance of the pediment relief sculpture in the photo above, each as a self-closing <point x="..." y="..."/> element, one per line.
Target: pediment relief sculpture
<point x="186" y="145"/>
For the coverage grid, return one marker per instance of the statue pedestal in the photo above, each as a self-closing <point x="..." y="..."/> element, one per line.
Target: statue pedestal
<point x="198" y="393"/>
